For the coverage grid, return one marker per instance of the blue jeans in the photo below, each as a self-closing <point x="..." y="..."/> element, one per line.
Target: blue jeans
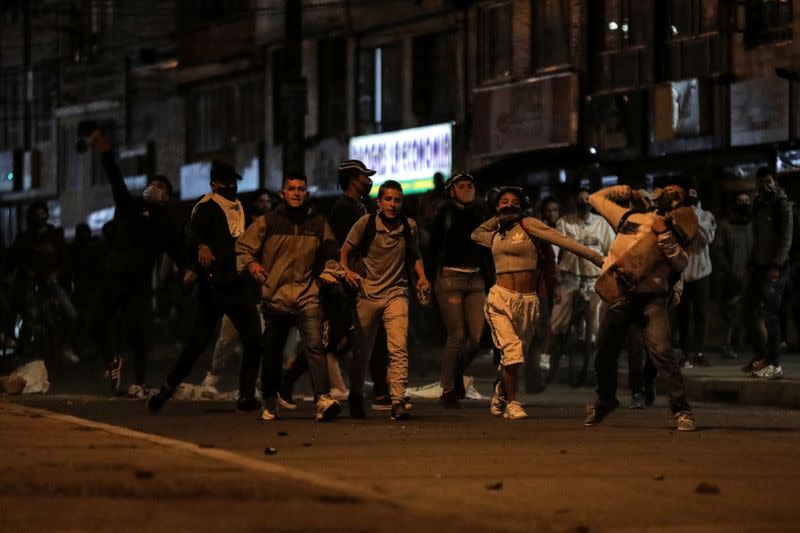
<point x="276" y="331"/>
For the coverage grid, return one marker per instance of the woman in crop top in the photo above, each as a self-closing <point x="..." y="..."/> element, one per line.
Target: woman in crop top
<point x="512" y="305"/>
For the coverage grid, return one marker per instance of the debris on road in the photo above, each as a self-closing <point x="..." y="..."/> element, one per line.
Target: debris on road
<point x="283" y="433"/>
<point x="707" y="488"/>
<point x="659" y="477"/>
<point x="270" y="451"/>
<point x="495" y="486"/>
<point x="30" y="378"/>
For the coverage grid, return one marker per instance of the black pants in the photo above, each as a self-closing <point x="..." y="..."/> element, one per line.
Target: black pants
<point x="238" y="301"/>
<point x="762" y="307"/>
<point x="127" y="295"/>
<point x="693" y="309"/>
<point x="641" y="370"/>
<point x="650" y="312"/>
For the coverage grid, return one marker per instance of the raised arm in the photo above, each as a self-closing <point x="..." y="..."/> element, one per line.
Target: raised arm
<point x="484" y="234"/>
<point x="607" y="203"/>
<point x="537" y="228"/>
<point x="122" y="196"/>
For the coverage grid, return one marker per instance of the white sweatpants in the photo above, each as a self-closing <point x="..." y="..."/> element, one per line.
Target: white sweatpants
<point x="512" y="318"/>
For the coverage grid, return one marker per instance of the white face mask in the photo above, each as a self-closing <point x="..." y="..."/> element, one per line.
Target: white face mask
<point x="154" y="195"/>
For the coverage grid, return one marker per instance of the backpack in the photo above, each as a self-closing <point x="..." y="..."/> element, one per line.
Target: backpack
<point x="370" y="231"/>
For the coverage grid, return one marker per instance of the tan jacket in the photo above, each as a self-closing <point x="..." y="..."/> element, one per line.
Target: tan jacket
<point x="294" y="254"/>
<point x="634" y="227"/>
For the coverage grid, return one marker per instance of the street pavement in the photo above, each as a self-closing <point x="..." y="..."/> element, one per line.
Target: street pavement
<point x="441" y="470"/>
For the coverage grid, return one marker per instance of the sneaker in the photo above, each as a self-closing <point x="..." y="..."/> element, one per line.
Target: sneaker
<point x="70" y="358"/>
<point x="595" y="413"/>
<point x="449" y="400"/>
<point x="327" y="408"/>
<point x="769" y="372"/>
<point x="382" y="403"/>
<point x="114" y="373"/>
<point x="544" y="361"/>
<point x="138" y="392"/>
<point x="498" y="404"/>
<point x="355" y="402"/>
<point x="210" y="381"/>
<point x="269" y="411"/>
<point x="157" y="401"/>
<point x="399" y="412"/>
<point x="247" y="405"/>
<point x="754" y="365"/>
<point x="686" y="363"/>
<point x="638" y="401"/>
<point x="286" y="401"/>
<point x="700" y="361"/>
<point x="685" y="421"/>
<point x="514" y="411"/>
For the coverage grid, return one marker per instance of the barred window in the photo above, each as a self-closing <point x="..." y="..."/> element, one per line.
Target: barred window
<point x="495" y="28"/>
<point x="768" y="21"/>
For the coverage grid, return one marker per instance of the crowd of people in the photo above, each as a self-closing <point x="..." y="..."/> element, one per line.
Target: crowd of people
<point x="349" y="284"/>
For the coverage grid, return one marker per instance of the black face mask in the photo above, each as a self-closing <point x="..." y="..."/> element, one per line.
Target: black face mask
<point x="509" y="215"/>
<point x="692" y="201"/>
<point x="742" y="212"/>
<point x="229" y="192"/>
<point x="584" y="209"/>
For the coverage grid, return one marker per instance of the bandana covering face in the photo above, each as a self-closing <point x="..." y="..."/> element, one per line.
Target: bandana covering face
<point x="232" y="209"/>
<point x="508" y="215"/>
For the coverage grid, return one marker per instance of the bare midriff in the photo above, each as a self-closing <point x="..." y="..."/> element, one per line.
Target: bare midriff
<point x="523" y="281"/>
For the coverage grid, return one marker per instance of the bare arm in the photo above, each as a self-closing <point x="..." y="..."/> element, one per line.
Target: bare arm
<point x="607" y="203"/>
<point x="484" y="233"/>
<point x="673" y="252"/>
<point x="539" y="229"/>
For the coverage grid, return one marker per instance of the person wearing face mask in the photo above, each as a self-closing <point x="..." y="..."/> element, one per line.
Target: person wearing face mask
<point x="693" y="306"/>
<point x="141" y="233"/>
<point x="289" y="252"/>
<point x="462" y="270"/>
<point x="772" y="240"/>
<point x="512" y="305"/>
<point x="644" y="261"/>
<point x="576" y="274"/>
<point x="731" y="253"/>
<point x="217" y="221"/>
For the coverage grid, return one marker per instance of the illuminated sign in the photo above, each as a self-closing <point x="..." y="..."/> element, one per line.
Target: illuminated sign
<point x="195" y="179"/>
<point x="409" y="156"/>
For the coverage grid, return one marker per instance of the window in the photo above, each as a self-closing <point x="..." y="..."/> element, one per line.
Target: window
<point x="768" y="21"/>
<point x="332" y="55"/>
<point x="625" y="24"/>
<point x="551" y="30"/>
<point x="222" y="116"/>
<point x="436" y="88"/>
<point x="692" y="18"/>
<point x="693" y="47"/>
<point x="495" y="41"/>
<point x="11" y="109"/>
<point x="380" y="88"/>
<point x="45" y="87"/>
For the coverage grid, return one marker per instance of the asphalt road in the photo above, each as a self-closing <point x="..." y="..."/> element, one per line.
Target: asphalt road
<point x="739" y="472"/>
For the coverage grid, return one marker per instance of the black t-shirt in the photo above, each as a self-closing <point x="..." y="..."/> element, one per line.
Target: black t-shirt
<point x="344" y="214"/>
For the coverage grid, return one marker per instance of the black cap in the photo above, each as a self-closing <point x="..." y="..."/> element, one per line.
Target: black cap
<point x="355" y="166"/>
<point x="458" y="176"/>
<point x="223" y="173"/>
<point x="517" y="191"/>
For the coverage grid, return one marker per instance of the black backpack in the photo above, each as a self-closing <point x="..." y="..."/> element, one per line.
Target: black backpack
<point x="362" y="248"/>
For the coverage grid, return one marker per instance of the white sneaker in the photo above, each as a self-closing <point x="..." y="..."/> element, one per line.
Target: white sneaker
<point x="138" y="392"/>
<point x="544" y="361"/>
<point x="498" y="403"/>
<point x="514" y="411"/>
<point x="327" y="408"/>
<point x="210" y="381"/>
<point x="69" y="357"/>
<point x="270" y="410"/>
<point x="769" y="372"/>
